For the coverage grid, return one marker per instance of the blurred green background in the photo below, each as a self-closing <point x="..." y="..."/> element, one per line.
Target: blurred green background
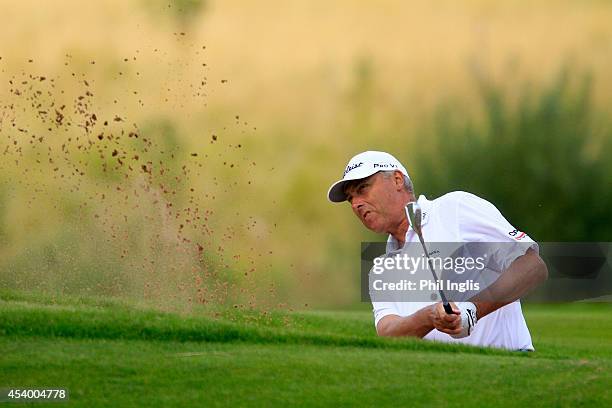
<point x="180" y="152"/>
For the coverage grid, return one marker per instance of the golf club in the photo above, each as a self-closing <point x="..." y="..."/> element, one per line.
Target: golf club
<point x="413" y="212"/>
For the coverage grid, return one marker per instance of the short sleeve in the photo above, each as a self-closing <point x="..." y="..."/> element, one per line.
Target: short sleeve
<point x="382" y="309"/>
<point x="481" y="221"/>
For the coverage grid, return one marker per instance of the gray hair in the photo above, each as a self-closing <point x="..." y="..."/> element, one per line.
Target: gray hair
<point x="407" y="182"/>
<point x="386" y="174"/>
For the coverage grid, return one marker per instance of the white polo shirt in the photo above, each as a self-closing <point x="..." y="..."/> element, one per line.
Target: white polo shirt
<point x="464" y="217"/>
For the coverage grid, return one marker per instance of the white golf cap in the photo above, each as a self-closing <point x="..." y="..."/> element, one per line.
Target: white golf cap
<point x="361" y="166"/>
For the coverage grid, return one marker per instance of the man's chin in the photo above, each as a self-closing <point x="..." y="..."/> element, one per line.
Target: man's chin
<point x="373" y="227"/>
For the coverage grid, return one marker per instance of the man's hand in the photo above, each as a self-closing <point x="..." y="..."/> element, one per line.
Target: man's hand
<point x="459" y="324"/>
<point x="444" y="322"/>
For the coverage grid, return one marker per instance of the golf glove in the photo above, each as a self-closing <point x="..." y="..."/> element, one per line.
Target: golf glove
<point x="468" y="319"/>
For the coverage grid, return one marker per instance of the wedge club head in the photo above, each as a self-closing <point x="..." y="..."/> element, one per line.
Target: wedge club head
<point x="413" y="211"/>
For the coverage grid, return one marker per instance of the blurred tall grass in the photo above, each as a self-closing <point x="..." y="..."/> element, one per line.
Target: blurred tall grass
<point x="509" y="100"/>
<point x="543" y="159"/>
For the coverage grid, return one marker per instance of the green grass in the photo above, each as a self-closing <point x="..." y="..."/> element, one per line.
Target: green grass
<point x="118" y="353"/>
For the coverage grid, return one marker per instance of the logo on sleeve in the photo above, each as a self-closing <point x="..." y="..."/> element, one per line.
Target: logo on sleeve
<point x="517" y="235"/>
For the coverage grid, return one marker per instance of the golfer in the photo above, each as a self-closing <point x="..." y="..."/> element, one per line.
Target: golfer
<point x="378" y="187"/>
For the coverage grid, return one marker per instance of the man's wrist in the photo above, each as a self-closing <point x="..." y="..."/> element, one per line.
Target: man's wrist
<point x="483" y="308"/>
<point x="431" y="315"/>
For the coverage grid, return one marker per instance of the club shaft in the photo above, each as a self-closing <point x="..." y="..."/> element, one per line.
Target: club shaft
<point x="445" y="304"/>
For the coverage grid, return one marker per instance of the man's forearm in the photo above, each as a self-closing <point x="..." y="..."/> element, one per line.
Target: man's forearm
<point x="526" y="272"/>
<point x="417" y="324"/>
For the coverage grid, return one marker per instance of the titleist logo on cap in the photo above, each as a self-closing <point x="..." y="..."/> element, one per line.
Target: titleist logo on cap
<point x="351" y="167"/>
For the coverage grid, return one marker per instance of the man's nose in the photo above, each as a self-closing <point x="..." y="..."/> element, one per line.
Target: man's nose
<point x="356" y="203"/>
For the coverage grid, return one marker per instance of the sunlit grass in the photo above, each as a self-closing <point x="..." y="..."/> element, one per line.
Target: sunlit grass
<point x="98" y="348"/>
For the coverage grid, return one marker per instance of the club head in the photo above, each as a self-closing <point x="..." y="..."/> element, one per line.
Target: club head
<point x="413" y="212"/>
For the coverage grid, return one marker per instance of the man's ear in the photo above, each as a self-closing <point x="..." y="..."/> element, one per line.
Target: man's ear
<point x="398" y="178"/>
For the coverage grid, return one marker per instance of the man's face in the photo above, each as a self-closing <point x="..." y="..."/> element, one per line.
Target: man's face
<point x="378" y="201"/>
